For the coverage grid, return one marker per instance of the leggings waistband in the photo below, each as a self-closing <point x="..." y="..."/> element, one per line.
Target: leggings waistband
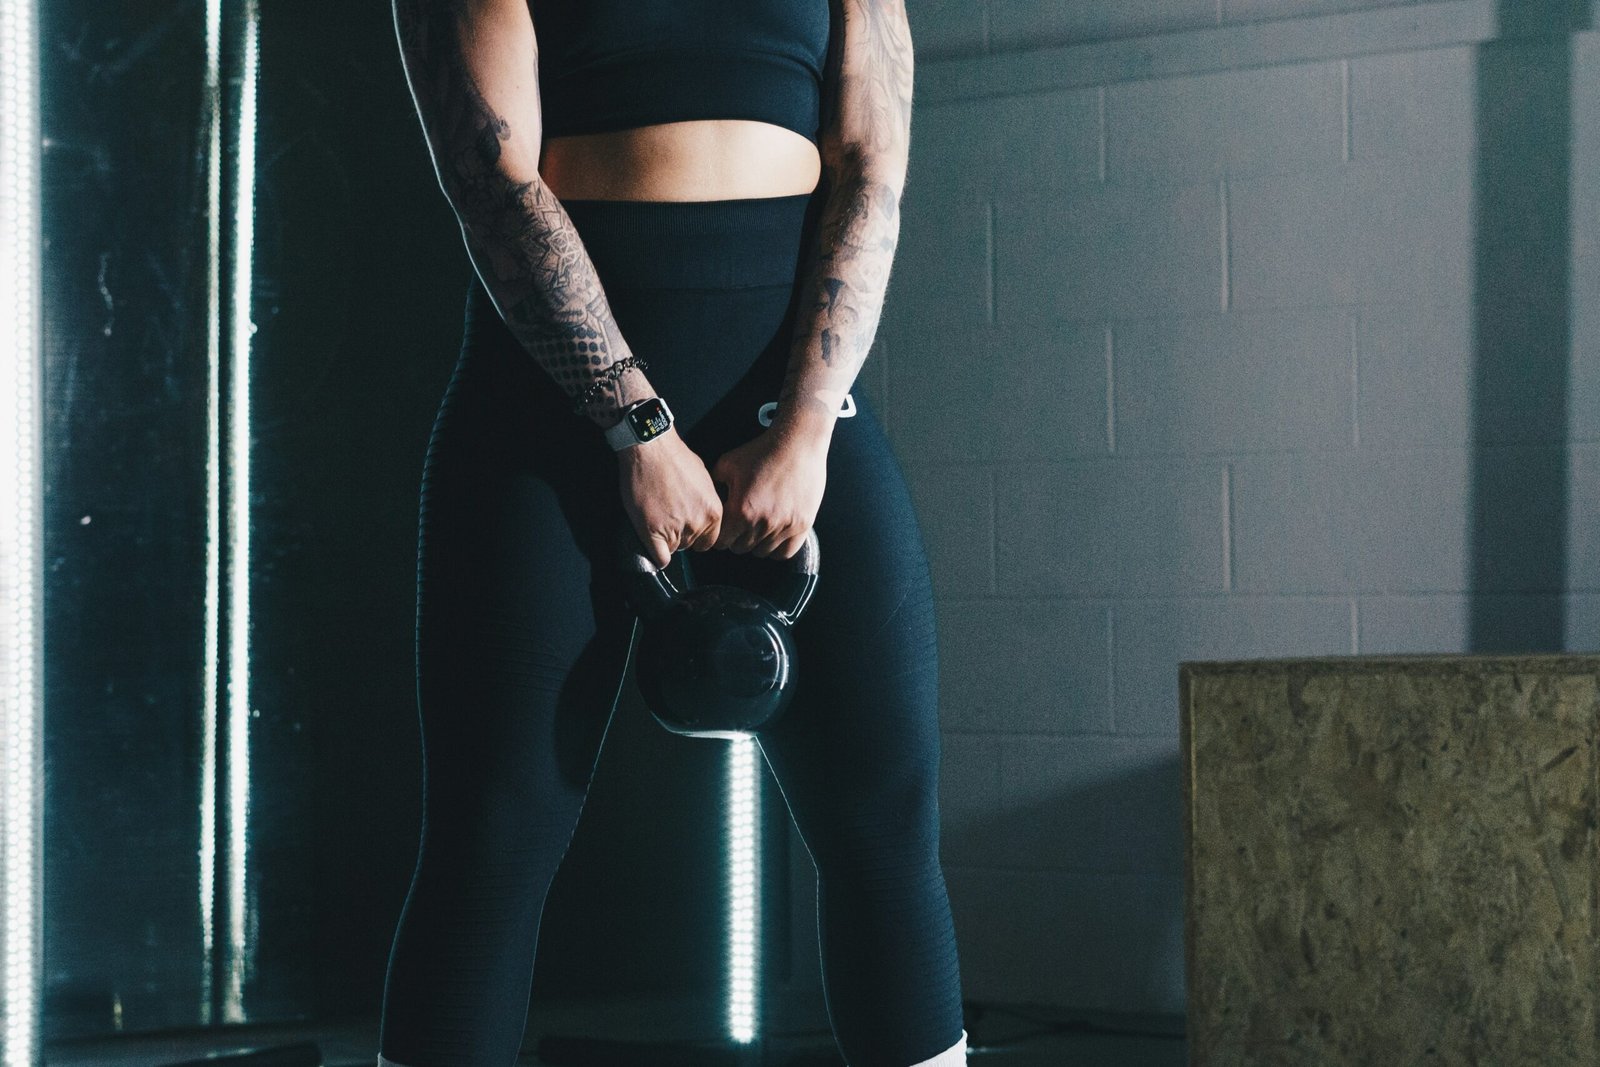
<point x="693" y="244"/>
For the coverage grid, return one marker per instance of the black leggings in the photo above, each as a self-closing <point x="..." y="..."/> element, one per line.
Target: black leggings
<point x="523" y="638"/>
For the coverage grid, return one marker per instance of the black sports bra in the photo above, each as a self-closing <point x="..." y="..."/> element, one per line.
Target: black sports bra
<point x="615" y="64"/>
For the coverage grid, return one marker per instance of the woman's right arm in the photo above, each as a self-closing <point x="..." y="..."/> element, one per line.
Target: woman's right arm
<point x="472" y="68"/>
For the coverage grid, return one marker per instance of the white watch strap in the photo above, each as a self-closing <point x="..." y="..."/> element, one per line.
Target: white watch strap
<point x="621" y="435"/>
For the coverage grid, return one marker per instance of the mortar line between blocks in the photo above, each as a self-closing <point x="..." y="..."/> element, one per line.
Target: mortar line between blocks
<point x="1111" y="664"/>
<point x="1227" y="527"/>
<point x="994" y="537"/>
<point x="988" y="259"/>
<point x="1227" y="273"/>
<point x="1111" y="391"/>
<point x="1344" y="107"/>
<point x="1103" y="148"/>
<point x="1355" y="381"/>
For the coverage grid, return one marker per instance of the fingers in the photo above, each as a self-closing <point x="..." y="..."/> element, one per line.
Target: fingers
<point x="688" y="538"/>
<point x="706" y="537"/>
<point x="759" y="536"/>
<point x="746" y="535"/>
<point x="763" y="540"/>
<point x="743" y="527"/>
<point x="775" y="540"/>
<point x="731" y="532"/>
<point x="758" y="540"/>
<point x="790" y="547"/>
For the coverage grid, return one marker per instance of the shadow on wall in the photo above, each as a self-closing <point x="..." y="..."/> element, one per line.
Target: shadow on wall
<point x="1521" y="331"/>
<point x="1106" y="873"/>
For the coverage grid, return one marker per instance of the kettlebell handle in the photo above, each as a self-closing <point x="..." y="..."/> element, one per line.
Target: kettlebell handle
<point x="800" y="581"/>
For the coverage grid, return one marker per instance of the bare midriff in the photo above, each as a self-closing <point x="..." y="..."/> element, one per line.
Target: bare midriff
<point x="700" y="159"/>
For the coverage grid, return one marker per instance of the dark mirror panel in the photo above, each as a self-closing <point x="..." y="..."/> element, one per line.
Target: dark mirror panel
<point x="167" y="903"/>
<point x="125" y="279"/>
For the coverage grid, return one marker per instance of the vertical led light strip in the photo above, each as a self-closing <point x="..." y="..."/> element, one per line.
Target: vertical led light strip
<point x="208" y="709"/>
<point x="231" y="149"/>
<point x="744" y="887"/>
<point x="21" y="518"/>
<point x="238" y="527"/>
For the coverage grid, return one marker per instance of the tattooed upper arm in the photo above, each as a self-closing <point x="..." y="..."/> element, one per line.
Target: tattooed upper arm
<point x="473" y="70"/>
<point x="472" y="66"/>
<point x="871" y="122"/>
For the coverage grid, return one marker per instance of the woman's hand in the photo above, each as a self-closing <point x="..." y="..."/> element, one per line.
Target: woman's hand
<point x="668" y="494"/>
<point x="775" y="483"/>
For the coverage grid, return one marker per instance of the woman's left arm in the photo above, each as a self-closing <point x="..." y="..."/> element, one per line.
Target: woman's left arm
<point x="865" y="145"/>
<point x="776" y="480"/>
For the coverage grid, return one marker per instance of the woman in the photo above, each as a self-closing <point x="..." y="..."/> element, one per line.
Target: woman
<point x="665" y="186"/>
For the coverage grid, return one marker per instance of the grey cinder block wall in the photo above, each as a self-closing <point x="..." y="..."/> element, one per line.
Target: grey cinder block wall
<point x="1223" y="328"/>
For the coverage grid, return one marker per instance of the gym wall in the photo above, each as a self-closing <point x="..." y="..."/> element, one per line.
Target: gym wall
<point x="1223" y="329"/>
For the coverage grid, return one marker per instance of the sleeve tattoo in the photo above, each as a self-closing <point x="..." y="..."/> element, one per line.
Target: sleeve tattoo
<point x="520" y="239"/>
<point x="865" y="153"/>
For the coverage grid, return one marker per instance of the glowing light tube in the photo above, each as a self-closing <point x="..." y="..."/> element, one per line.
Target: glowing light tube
<point x="237" y="521"/>
<point x="225" y="773"/>
<point x="744" y="886"/>
<point x="213" y="594"/>
<point x="21" y="517"/>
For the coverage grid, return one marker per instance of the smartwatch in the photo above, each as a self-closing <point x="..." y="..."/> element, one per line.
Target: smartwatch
<point x="642" y="421"/>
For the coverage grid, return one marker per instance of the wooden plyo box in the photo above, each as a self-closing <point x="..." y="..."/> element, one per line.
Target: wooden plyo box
<point x="1391" y="861"/>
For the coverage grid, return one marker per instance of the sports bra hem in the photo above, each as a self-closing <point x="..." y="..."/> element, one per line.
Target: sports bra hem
<point x="636" y="89"/>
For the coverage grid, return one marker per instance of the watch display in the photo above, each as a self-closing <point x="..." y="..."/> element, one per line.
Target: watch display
<point x="642" y="421"/>
<point x="649" y="418"/>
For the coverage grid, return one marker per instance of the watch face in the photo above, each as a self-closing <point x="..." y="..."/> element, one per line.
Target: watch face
<point x="649" y="419"/>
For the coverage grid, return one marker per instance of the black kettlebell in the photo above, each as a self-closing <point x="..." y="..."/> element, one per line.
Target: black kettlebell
<point x="715" y="660"/>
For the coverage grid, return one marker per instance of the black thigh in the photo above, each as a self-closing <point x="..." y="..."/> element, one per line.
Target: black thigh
<point x="858" y="748"/>
<point x="521" y="632"/>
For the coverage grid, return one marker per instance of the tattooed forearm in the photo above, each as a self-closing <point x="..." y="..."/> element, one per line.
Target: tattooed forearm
<point x="865" y="151"/>
<point x="520" y="239"/>
<point x="846" y="279"/>
<point x="545" y="286"/>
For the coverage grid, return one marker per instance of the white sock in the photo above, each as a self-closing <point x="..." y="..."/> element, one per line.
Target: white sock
<point x="954" y="1056"/>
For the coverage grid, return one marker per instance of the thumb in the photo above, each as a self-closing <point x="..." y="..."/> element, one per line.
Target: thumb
<point x="729" y="477"/>
<point x="660" y="554"/>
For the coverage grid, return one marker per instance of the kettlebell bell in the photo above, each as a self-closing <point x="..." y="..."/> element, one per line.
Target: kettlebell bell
<point x="715" y="660"/>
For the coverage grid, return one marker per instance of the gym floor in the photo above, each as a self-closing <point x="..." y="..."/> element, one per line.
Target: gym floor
<point x="998" y="1037"/>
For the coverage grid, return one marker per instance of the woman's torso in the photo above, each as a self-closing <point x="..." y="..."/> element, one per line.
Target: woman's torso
<point x="698" y="159"/>
<point x="680" y="99"/>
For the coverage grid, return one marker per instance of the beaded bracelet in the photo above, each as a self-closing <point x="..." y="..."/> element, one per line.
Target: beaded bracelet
<point x="610" y="374"/>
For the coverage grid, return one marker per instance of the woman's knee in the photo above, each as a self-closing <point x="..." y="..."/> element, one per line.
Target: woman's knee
<point x="883" y="818"/>
<point x="531" y="822"/>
